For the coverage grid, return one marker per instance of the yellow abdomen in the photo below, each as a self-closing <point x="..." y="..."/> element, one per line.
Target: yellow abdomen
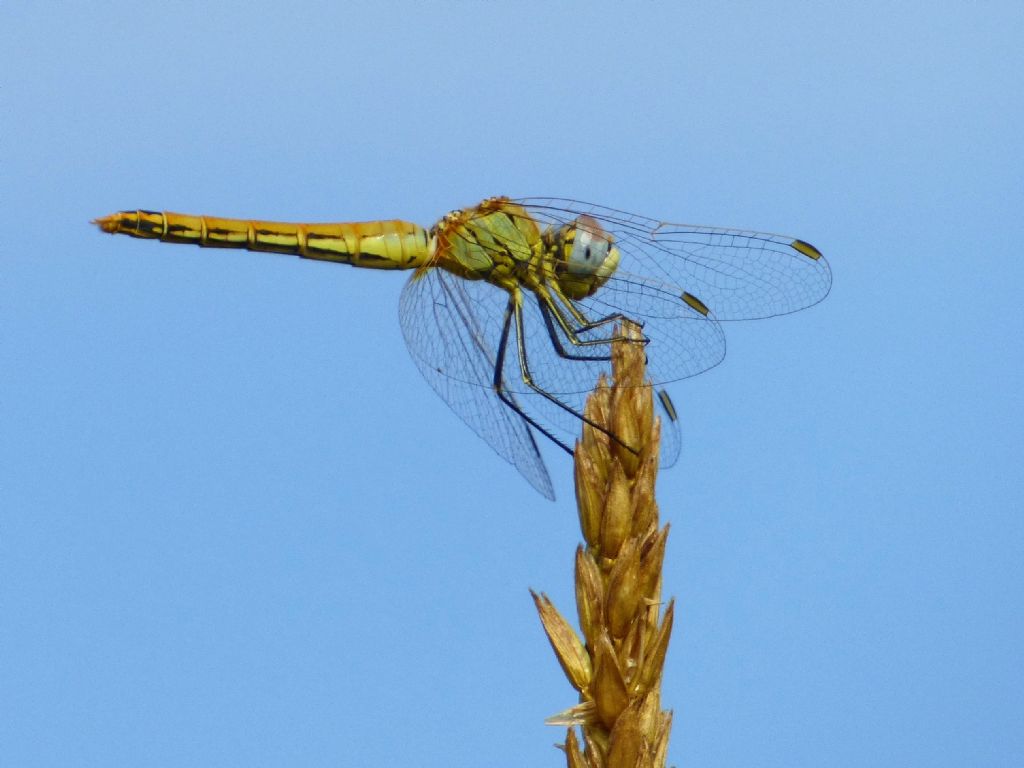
<point x="372" y="244"/>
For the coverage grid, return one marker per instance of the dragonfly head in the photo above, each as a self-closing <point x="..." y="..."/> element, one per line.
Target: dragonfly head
<point x="585" y="257"/>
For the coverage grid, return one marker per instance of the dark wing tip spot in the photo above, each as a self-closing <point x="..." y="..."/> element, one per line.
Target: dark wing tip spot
<point x="806" y="249"/>
<point x="695" y="303"/>
<point x="667" y="405"/>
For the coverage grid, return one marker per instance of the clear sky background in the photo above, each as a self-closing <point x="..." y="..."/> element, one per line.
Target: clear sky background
<point x="238" y="529"/>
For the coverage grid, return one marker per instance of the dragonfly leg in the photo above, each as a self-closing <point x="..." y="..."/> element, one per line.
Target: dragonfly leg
<point x="546" y="312"/>
<point x="548" y="295"/>
<point x="550" y="310"/>
<point x="499" y="379"/>
<point x="584" y="323"/>
<point x="515" y="306"/>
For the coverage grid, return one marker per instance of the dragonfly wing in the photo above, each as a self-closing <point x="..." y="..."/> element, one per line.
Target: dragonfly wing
<point x="452" y="327"/>
<point x="569" y="373"/>
<point x="683" y="339"/>
<point x="737" y="274"/>
<point x="671" y="441"/>
<point x="682" y="342"/>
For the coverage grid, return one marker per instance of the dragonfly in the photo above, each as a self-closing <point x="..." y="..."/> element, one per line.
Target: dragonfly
<point x="513" y="305"/>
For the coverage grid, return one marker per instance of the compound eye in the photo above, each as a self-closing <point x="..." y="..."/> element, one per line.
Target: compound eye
<point x="588" y="253"/>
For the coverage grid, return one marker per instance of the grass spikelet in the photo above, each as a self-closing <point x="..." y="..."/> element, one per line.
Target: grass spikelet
<point x="617" y="665"/>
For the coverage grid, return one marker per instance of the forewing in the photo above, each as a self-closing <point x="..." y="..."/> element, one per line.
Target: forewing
<point x="682" y="341"/>
<point x="453" y="336"/>
<point x="677" y="280"/>
<point x="737" y="274"/>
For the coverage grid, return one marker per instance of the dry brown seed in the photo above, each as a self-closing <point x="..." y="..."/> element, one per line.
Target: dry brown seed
<point x="571" y="654"/>
<point x="643" y="494"/>
<point x="655" y="440"/>
<point x="654" y="660"/>
<point x="596" y="410"/>
<point x="589" y="492"/>
<point x="646" y="415"/>
<point x="650" y="715"/>
<point x="625" y="428"/>
<point x="618" y="512"/>
<point x="623" y="601"/>
<point x="589" y="595"/>
<point x="631" y="649"/>
<point x="609" y="687"/>
<point x="595" y="448"/>
<point x="626" y="741"/>
<point x="652" y="556"/>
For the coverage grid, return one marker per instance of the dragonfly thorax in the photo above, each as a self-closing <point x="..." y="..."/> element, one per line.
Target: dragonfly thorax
<point x="585" y="256"/>
<point x="496" y="241"/>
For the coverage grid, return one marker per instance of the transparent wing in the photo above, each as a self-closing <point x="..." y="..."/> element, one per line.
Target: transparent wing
<point x="739" y="275"/>
<point x="453" y="328"/>
<point x="671" y="443"/>
<point x="569" y="373"/>
<point x="453" y="338"/>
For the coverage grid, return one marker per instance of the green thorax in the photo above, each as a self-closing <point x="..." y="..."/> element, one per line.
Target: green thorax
<point x="500" y="242"/>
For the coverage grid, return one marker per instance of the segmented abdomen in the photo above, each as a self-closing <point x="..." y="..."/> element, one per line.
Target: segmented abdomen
<point x="374" y="244"/>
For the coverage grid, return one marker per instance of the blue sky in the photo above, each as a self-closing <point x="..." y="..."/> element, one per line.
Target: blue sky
<point x="237" y="527"/>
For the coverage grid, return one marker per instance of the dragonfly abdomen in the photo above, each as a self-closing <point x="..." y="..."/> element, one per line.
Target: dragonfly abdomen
<point x="390" y="244"/>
